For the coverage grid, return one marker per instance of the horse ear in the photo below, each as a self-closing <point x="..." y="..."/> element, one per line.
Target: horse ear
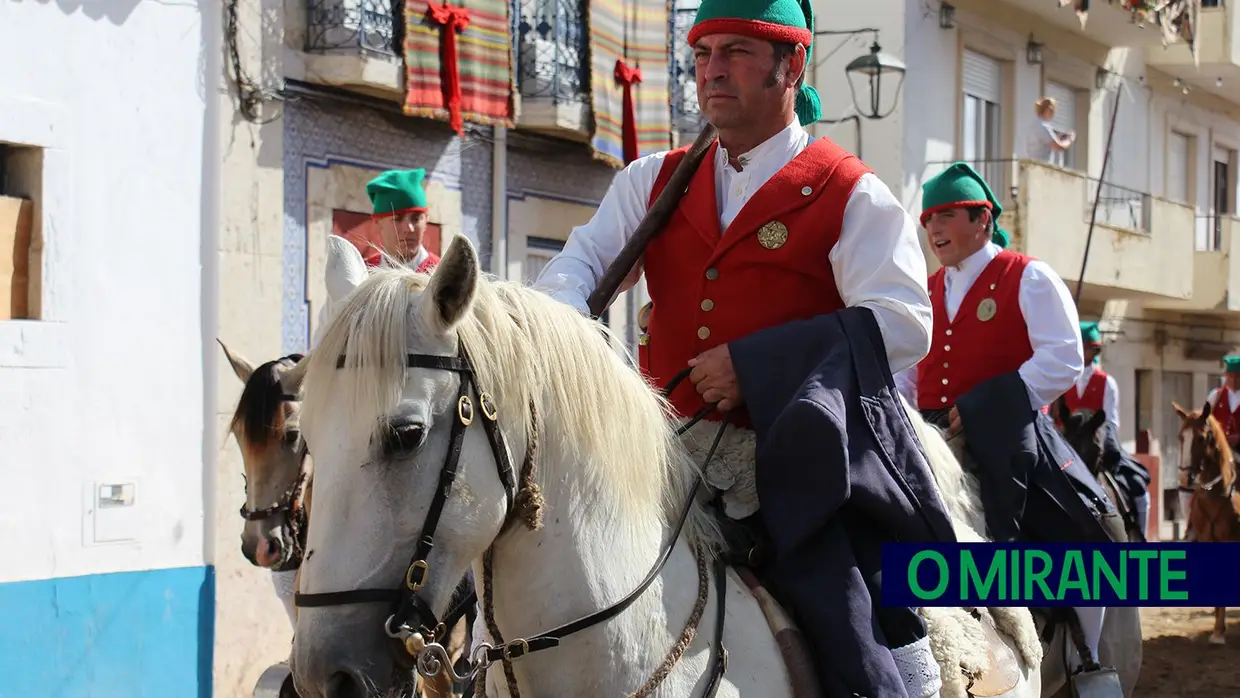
<point x="1096" y="421"/>
<point x="452" y="285"/>
<point x="1061" y="408"/>
<point x="290" y="380"/>
<point x="244" y="369"/>
<point x="346" y="269"/>
<point x="1179" y="410"/>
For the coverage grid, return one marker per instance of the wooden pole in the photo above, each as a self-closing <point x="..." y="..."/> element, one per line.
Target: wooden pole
<point x="651" y="225"/>
<point x="1093" y="216"/>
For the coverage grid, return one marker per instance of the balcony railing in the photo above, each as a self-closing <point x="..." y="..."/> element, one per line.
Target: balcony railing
<point x="552" y="54"/>
<point x="1118" y="206"/>
<point x="351" y="26"/>
<point x="686" y="114"/>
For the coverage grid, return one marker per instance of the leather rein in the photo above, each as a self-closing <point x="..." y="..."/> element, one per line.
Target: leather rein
<point x="414" y="623"/>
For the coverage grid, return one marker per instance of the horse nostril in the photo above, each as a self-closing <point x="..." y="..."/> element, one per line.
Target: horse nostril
<point x="345" y="684"/>
<point x="269" y="551"/>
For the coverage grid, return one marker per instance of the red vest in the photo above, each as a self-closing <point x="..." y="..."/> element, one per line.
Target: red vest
<point x="1222" y="412"/>
<point x="1095" y="393"/>
<point x="428" y="264"/>
<point x="771" y="266"/>
<point x="969" y="350"/>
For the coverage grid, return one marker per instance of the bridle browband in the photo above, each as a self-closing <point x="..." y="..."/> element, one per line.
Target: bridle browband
<point x="413" y="621"/>
<point x="294" y="516"/>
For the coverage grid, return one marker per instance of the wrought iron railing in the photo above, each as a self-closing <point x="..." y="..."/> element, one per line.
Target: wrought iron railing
<point x="682" y="85"/>
<point x="552" y="50"/>
<point x="1119" y="207"/>
<point x="345" y="26"/>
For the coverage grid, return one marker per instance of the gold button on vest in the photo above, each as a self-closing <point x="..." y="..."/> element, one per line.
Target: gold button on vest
<point x="712" y="274"/>
<point x="703" y="332"/>
<point x="708" y="305"/>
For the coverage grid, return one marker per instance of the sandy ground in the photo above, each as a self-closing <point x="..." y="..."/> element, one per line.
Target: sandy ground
<point x="1179" y="663"/>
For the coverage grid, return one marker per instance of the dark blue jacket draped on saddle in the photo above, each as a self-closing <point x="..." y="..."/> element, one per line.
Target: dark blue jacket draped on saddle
<point x="1033" y="485"/>
<point x="839" y="472"/>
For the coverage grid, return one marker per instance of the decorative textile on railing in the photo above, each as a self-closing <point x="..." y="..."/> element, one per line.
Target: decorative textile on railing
<point x="1176" y="19"/>
<point x="627" y="35"/>
<point x="458" y="61"/>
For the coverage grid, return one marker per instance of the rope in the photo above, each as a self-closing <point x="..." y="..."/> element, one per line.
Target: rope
<point x="686" y="636"/>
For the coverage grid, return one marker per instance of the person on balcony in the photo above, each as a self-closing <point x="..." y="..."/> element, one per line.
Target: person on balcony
<point x="1005" y="345"/>
<point x="1044" y="140"/>
<point x="776" y="232"/>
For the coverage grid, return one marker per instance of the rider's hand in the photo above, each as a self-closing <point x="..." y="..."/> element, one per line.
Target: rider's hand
<point x="715" y="379"/>
<point x="954" y="417"/>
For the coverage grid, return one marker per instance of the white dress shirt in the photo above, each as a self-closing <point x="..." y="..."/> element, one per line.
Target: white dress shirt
<point x="877" y="262"/>
<point x="1110" y="395"/>
<point x="1050" y="315"/>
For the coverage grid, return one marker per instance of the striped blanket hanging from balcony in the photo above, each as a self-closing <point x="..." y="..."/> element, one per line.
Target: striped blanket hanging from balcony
<point x="641" y="27"/>
<point x="476" y="86"/>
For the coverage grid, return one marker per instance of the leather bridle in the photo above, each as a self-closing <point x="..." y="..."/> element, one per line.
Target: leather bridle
<point x="414" y="622"/>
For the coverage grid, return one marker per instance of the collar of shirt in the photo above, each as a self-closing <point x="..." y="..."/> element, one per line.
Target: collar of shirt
<point x="959" y="279"/>
<point x="417" y="260"/>
<point x="1233" y="398"/>
<point x="734" y="189"/>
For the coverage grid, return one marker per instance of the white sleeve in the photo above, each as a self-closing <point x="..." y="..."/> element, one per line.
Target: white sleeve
<point x="878" y="263"/>
<point x="1212" y="397"/>
<point x="1110" y="402"/>
<point x="906" y="383"/>
<point x="1054" y="333"/>
<point x="572" y="275"/>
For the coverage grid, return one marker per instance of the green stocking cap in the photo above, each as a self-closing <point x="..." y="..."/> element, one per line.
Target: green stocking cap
<point x="1091" y="337"/>
<point x="786" y="21"/>
<point x="1231" y="363"/>
<point x="397" y="191"/>
<point x="957" y="186"/>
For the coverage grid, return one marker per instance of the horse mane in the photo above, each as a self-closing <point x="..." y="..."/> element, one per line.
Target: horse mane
<point x="526" y="348"/>
<point x="1226" y="466"/>
<point x="258" y="412"/>
<point x="957" y="488"/>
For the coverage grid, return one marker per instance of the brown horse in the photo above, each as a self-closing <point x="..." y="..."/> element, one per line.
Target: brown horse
<point x="1214" y="512"/>
<point x="279" y="482"/>
<point x="1083" y="430"/>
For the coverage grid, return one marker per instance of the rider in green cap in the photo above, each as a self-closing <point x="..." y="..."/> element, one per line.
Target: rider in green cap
<point x="400" y="209"/>
<point x="1005" y="345"/>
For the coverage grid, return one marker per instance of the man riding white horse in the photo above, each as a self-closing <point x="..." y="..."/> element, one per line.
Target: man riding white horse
<point x="775" y="227"/>
<point x="1095" y="391"/>
<point x="1005" y="345"/>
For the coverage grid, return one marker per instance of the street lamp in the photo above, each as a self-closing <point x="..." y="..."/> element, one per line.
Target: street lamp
<point x="872" y="67"/>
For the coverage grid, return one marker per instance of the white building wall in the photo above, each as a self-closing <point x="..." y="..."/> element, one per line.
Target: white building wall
<point x="107" y="387"/>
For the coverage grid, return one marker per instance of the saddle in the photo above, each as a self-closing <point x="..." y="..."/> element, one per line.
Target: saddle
<point x="984" y="664"/>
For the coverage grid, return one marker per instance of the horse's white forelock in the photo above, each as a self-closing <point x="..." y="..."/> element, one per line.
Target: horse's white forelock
<point x="594" y="411"/>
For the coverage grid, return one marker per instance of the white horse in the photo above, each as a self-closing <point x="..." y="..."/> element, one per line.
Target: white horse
<point x="611" y="474"/>
<point x="1121" y="643"/>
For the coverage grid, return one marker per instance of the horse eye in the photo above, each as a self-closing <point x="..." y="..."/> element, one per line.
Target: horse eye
<point x="402" y="439"/>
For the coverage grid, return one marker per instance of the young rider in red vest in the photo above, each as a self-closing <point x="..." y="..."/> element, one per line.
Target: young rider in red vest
<point x="1224" y="404"/>
<point x="1094" y="389"/>
<point x="997" y="312"/>
<point x="774" y="227"/>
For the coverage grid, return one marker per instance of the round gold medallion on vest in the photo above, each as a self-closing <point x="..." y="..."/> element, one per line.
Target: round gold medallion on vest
<point x="986" y="309"/>
<point x="773" y="235"/>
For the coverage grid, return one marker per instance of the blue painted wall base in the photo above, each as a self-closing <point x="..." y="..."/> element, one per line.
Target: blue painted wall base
<point x="143" y="634"/>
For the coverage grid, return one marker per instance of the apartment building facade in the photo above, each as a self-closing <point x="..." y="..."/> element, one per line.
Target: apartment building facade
<point x="1156" y="266"/>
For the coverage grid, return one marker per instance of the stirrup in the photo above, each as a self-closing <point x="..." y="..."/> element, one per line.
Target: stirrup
<point x="1091" y="680"/>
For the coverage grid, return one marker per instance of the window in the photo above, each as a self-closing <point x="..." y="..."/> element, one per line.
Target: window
<point x="20" y="240"/>
<point x="981" y="138"/>
<point x="1064" y="122"/>
<point x="1222" y="201"/>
